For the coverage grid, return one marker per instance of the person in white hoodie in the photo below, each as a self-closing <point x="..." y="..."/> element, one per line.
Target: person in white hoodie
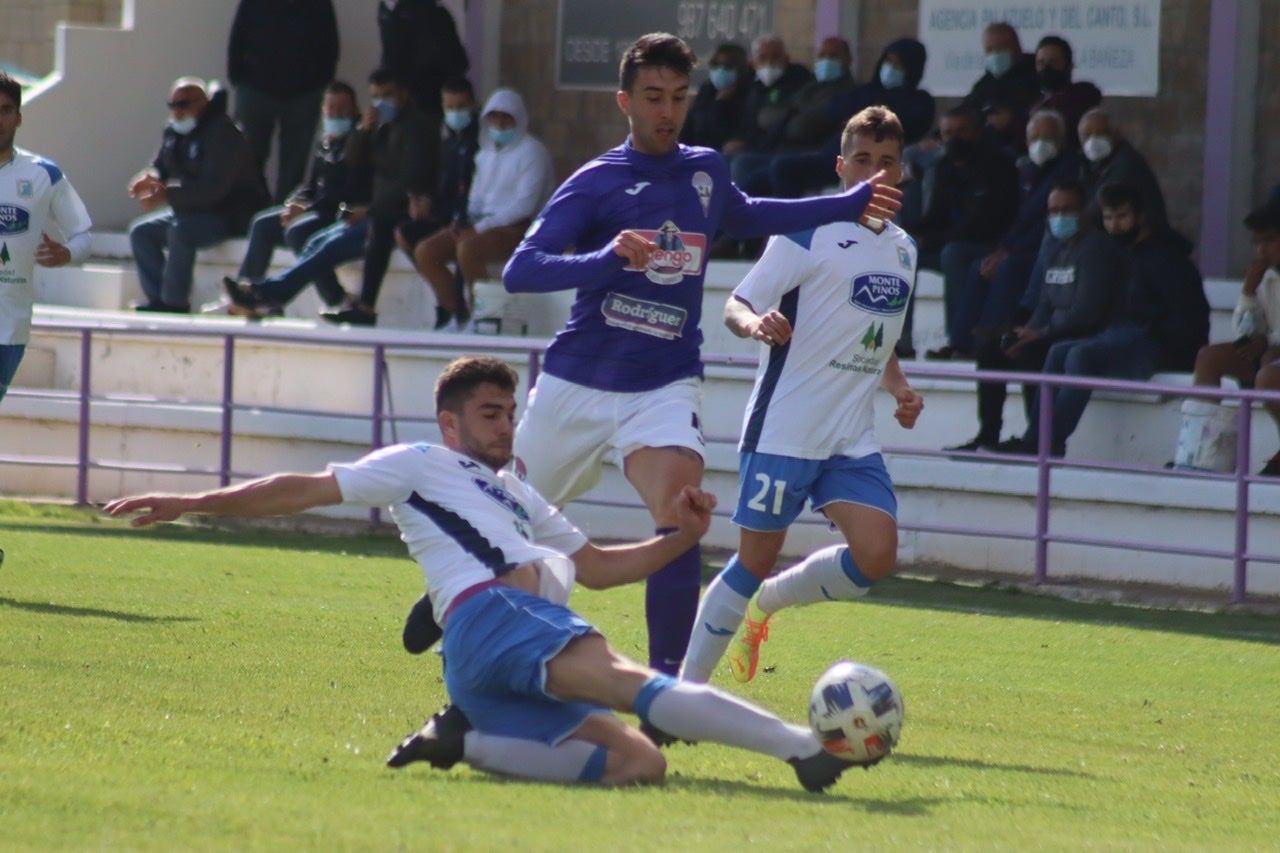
<point x="513" y="180"/>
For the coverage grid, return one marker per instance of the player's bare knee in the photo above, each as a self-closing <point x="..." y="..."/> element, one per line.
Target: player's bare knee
<point x="635" y="761"/>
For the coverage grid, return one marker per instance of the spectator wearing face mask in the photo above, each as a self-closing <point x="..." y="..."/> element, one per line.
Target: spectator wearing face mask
<point x="716" y="113"/>
<point x="1009" y="75"/>
<point x="768" y="97"/>
<point x="1110" y="158"/>
<point x="1073" y="98"/>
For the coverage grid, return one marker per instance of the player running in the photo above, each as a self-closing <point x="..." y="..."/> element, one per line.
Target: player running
<point x="828" y="305"/>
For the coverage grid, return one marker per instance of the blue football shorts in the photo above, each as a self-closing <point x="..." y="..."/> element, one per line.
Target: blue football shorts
<point x="496" y="647"/>
<point x="772" y="489"/>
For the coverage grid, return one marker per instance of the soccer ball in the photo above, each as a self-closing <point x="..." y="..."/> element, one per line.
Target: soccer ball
<point x="856" y="712"/>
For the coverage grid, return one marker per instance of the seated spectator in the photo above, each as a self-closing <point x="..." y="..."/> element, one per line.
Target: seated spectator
<point x="1009" y="76"/>
<point x="895" y="84"/>
<point x="1158" y="321"/>
<point x="1055" y="63"/>
<point x="395" y="144"/>
<point x="206" y="173"/>
<point x="448" y="204"/>
<point x="311" y="207"/>
<point x="1074" y="286"/>
<point x="1253" y="358"/>
<point x="1002" y="125"/>
<point x="995" y="283"/>
<point x="513" y="180"/>
<point x="768" y="98"/>
<point x="716" y="113"/>
<point x="973" y="202"/>
<point x="1110" y="158"/>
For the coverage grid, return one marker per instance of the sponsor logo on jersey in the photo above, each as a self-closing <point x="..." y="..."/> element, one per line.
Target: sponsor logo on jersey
<point x="644" y="316"/>
<point x="844" y="244"/>
<point x="874" y="338"/>
<point x="703" y="186"/>
<point x="503" y="498"/>
<point x="637" y="189"/>
<point x="1059" y="275"/>
<point x="25" y="189"/>
<point x="14" y="219"/>
<point x="680" y="253"/>
<point x="883" y="293"/>
<point x="4" y="253"/>
<point x="904" y="258"/>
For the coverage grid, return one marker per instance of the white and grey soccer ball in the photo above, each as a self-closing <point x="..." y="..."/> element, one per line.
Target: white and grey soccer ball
<point x="856" y="712"/>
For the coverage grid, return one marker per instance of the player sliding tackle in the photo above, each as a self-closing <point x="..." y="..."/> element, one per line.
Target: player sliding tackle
<point x="534" y="679"/>
<point x="828" y="305"/>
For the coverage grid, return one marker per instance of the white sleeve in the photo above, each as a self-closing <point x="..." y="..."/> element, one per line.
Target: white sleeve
<point x="525" y="195"/>
<point x="779" y="270"/>
<point x="72" y="218"/>
<point x="384" y="477"/>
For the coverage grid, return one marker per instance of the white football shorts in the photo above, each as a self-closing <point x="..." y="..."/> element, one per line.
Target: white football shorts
<point x="568" y="430"/>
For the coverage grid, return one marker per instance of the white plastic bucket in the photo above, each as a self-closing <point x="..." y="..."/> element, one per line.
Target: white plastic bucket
<point x="1207" y="438"/>
<point x="496" y="311"/>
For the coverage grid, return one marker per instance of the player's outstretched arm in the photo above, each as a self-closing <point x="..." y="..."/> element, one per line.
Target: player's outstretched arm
<point x="277" y="494"/>
<point x="910" y="403"/>
<point x="771" y="328"/>
<point x="601" y="567"/>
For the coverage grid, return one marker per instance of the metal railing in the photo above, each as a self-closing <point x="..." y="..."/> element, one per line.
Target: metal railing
<point x="380" y="418"/>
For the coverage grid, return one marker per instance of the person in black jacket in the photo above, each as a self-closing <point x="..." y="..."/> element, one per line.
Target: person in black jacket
<point x="280" y="56"/>
<point x="420" y="46"/>
<point x="1009" y="76"/>
<point x="206" y="173"/>
<point x="717" y="109"/>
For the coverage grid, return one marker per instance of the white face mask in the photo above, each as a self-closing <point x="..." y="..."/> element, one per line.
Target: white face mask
<point x="769" y="74"/>
<point x="183" y="126"/>
<point x="1042" y="151"/>
<point x="1096" y="148"/>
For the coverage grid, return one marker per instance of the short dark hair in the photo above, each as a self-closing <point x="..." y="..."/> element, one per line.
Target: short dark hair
<point x="1060" y="43"/>
<point x="462" y="376"/>
<point x="382" y="76"/>
<point x="459" y="84"/>
<point x="1070" y="185"/>
<point x="655" y="50"/>
<point x="967" y="113"/>
<point x="1114" y="195"/>
<point x="341" y="87"/>
<point x="881" y="123"/>
<point x="1265" y="218"/>
<point x="12" y="88"/>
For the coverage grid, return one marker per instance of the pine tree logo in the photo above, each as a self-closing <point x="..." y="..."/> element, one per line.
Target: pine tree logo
<point x="874" y="338"/>
<point x="4" y="253"/>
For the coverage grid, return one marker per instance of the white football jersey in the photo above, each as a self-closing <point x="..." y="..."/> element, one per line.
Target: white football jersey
<point x="463" y="522"/>
<point x="844" y="288"/>
<point x="34" y="195"/>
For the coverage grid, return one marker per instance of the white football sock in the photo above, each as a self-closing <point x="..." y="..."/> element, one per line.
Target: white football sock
<point x="571" y="760"/>
<point x="700" y="712"/>
<point x="719" y="614"/>
<point x="826" y="575"/>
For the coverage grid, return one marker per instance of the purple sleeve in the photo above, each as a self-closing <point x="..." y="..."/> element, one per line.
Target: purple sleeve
<point x="745" y="216"/>
<point x="539" y="264"/>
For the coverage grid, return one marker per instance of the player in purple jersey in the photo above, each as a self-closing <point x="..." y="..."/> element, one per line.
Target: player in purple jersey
<point x="624" y="375"/>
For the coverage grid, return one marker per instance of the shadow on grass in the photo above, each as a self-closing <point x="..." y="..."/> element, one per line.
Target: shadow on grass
<point x="93" y="612"/>
<point x="974" y="764"/>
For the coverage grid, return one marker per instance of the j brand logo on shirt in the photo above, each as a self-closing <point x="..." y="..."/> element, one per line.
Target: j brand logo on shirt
<point x="679" y="253"/>
<point x="638" y="188"/>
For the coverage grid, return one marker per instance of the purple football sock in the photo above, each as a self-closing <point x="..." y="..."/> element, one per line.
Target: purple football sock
<point x="670" y="604"/>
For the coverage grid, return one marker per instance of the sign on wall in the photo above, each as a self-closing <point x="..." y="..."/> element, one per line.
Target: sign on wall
<point x="592" y="34"/>
<point x="1116" y="45"/>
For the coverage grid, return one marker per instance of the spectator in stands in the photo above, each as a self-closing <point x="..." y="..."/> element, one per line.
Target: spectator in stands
<point x="995" y="283"/>
<point x="448" y="204"/>
<point x="1110" y="158"/>
<point x="513" y="180"/>
<point x="313" y="206"/>
<point x="973" y="202"/>
<point x="394" y="142"/>
<point x="1253" y="358"/>
<point x="1055" y="63"/>
<point x="1002" y="126"/>
<point x="768" y="98"/>
<point x="717" y="109"/>
<point x="1009" y="77"/>
<point x="206" y="173"/>
<point x="812" y="117"/>
<point x="281" y="55"/>
<point x="1074" y="286"/>
<point x="421" y="48"/>
<point x="1158" y="320"/>
<point x="894" y="84"/>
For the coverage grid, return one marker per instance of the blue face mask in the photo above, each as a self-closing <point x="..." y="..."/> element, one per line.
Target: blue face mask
<point x="337" y="126"/>
<point x="387" y="110"/>
<point x="722" y="77"/>
<point x="826" y="69"/>
<point x="457" y="120"/>
<point x="183" y="126"/>
<point x="502" y="137"/>
<point x="1064" y="226"/>
<point x="891" y="76"/>
<point x="997" y="62"/>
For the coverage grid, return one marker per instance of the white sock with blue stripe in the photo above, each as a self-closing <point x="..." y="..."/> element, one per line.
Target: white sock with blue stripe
<point x="700" y="712"/>
<point x="826" y="575"/>
<point x="720" y="612"/>
<point x="570" y="760"/>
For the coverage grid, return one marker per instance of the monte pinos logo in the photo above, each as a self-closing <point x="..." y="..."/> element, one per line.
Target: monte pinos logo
<point x="680" y="253"/>
<point x="882" y="293"/>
